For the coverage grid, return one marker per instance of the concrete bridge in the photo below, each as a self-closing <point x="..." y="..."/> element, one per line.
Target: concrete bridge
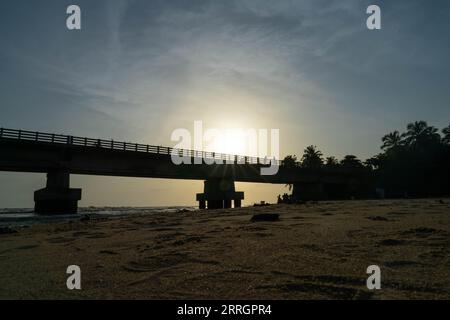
<point x="61" y="155"/>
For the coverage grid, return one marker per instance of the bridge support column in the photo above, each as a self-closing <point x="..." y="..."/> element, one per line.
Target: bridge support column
<point x="57" y="197"/>
<point x="218" y="194"/>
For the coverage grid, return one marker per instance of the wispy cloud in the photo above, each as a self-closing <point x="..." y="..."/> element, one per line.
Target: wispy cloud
<point x="156" y="65"/>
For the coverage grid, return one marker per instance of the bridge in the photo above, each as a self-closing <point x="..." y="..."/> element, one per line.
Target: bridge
<point x="61" y="155"/>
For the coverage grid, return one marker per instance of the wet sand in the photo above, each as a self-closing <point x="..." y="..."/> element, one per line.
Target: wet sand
<point x="316" y="251"/>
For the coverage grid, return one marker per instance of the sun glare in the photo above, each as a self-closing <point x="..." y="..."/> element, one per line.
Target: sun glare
<point x="231" y="142"/>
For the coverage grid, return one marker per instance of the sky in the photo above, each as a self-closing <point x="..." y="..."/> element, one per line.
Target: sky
<point x="139" y="69"/>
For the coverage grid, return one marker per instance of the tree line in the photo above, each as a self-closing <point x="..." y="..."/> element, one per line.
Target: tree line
<point x="414" y="163"/>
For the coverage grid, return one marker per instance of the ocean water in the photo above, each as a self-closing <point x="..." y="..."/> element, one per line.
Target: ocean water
<point x="25" y="217"/>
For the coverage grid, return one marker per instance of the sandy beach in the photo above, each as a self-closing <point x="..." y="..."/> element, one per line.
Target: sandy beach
<point x="315" y="251"/>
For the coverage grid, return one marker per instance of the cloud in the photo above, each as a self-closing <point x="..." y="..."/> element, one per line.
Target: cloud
<point x="152" y="66"/>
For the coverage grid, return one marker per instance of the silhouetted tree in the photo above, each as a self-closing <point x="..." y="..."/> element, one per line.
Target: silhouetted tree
<point x="351" y="161"/>
<point x="290" y="161"/>
<point x="419" y="167"/>
<point x="312" y="158"/>
<point x="419" y="134"/>
<point x="375" y="162"/>
<point x="331" y="162"/>
<point x="446" y="132"/>
<point x="412" y="164"/>
<point x="392" y="140"/>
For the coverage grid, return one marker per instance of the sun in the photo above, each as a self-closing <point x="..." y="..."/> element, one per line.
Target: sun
<point x="231" y="141"/>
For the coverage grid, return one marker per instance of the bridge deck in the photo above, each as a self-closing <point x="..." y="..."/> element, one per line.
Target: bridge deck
<point x="60" y="139"/>
<point x="29" y="151"/>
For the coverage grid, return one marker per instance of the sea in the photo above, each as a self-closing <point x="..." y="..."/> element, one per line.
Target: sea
<point x="25" y="217"/>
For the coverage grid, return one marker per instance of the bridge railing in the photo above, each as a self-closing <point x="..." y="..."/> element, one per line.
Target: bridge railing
<point x="126" y="146"/>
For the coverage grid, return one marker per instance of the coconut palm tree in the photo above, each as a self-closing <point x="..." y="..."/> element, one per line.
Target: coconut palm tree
<point x="392" y="140"/>
<point x="376" y="162"/>
<point x="331" y="162"/>
<point x="312" y="158"/>
<point x="351" y="161"/>
<point x="446" y="132"/>
<point x="419" y="133"/>
<point x="290" y="161"/>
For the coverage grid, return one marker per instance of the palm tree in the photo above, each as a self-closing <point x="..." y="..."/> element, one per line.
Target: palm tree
<point x="446" y="132"/>
<point x="420" y="133"/>
<point x="312" y="158"/>
<point x="331" y="162"/>
<point x="290" y="161"/>
<point x="376" y="162"/>
<point x="392" y="140"/>
<point x="351" y="161"/>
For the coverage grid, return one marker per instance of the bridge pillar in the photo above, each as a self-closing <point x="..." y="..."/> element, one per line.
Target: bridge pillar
<point x="57" y="197"/>
<point x="218" y="194"/>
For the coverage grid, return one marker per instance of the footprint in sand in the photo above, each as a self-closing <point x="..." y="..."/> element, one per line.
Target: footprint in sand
<point x="377" y="218"/>
<point x="392" y="242"/>
<point x="108" y="252"/>
<point x="26" y="247"/>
